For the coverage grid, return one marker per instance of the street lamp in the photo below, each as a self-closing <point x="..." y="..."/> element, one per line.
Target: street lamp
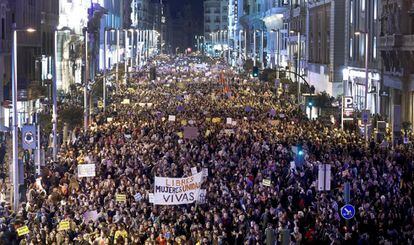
<point x="298" y="64"/>
<point x="54" y="91"/>
<point x="254" y="47"/>
<point x="360" y="33"/>
<point x="262" y="48"/>
<point x="111" y="30"/>
<point x="15" y="123"/>
<point x="277" y="53"/>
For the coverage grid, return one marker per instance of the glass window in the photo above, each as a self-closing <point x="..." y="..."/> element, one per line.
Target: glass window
<point x="352" y="12"/>
<point x="362" y="5"/>
<point x="351" y="46"/>
<point x="374" y="47"/>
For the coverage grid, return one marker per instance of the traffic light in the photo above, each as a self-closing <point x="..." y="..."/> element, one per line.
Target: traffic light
<point x="300" y="150"/>
<point x="255" y="71"/>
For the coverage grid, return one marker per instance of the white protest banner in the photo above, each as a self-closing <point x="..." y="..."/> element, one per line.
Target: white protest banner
<point x="86" y="170"/>
<point x="194" y="170"/>
<point x="176" y="191"/>
<point x="171" y="118"/>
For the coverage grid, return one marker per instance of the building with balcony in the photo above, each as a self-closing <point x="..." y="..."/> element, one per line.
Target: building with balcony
<point x="396" y="45"/>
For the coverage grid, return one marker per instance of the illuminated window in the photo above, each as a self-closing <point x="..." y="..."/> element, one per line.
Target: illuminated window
<point x="375" y="9"/>
<point x="352" y="12"/>
<point x="351" y="46"/>
<point x="374" y="47"/>
<point x="362" y="5"/>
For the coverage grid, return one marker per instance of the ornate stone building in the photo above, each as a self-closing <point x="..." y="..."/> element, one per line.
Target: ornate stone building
<point x="397" y="52"/>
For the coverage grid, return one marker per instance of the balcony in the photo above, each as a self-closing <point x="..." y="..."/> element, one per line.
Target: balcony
<point x="389" y="42"/>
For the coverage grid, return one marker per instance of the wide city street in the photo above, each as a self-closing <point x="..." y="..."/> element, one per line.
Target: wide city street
<point x="207" y="122"/>
<point x="203" y="155"/>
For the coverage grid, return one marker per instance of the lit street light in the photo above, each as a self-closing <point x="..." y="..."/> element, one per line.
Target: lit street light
<point x="359" y="33"/>
<point x="298" y="64"/>
<point x="111" y="30"/>
<point x="54" y="93"/>
<point x="15" y="123"/>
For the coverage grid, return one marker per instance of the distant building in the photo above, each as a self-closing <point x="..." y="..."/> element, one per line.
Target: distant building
<point x="141" y="14"/>
<point x="396" y="46"/>
<point x="216" y="20"/>
<point x="362" y="21"/>
<point x="326" y="46"/>
<point x="184" y="28"/>
<point x="33" y="50"/>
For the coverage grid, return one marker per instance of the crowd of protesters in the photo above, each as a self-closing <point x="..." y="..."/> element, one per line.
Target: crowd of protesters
<point x="134" y="140"/>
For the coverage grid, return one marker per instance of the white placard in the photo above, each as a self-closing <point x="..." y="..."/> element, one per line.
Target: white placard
<point x="138" y="197"/>
<point x="125" y="102"/>
<point x="86" y="170"/>
<point x="176" y="191"/>
<point x="151" y="197"/>
<point x="194" y="170"/>
<point x="229" y="120"/>
<point x="324" y="177"/>
<point x="201" y="197"/>
<point x="171" y="118"/>
<point x="205" y="172"/>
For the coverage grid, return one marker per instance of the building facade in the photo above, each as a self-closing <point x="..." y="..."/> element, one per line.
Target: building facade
<point x="32" y="50"/>
<point x="396" y="45"/>
<point x="326" y="46"/>
<point x="216" y="22"/>
<point x="361" y="36"/>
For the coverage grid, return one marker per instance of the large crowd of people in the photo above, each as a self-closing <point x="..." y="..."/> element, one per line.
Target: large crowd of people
<point x="134" y="140"/>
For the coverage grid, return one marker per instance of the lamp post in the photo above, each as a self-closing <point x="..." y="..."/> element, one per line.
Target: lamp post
<point x="137" y="55"/>
<point x="15" y="132"/>
<point x="262" y="48"/>
<point x="366" y="34"/>
<point x="85" y="87"/>
<point x="298" y="65"/>
<point x="254" y="47"/>
<point x="105" y="66"/>
<point x="54" y="91"/>
<point x="240" y="44"/>
<point x="277" y="51"/>
<point x="245" y="45"/>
